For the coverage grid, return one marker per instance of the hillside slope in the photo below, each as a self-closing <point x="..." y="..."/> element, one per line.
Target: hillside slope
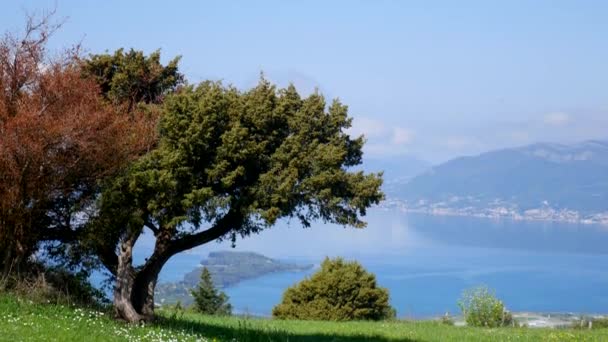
<point x="22" y="320"/>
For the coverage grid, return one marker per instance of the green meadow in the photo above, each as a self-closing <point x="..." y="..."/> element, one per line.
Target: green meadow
<point x="24" y="320"/>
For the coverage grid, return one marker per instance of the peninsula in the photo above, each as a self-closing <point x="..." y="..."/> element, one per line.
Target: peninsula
<point x="227" y="268"/>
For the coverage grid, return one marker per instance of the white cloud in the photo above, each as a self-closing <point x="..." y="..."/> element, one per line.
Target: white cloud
<point x="378" y="150"/>
<point x="557" y="119"/>
<point x="370" y="128"/>
<point x="402" y="136"/>
<point x="382" y="140"/>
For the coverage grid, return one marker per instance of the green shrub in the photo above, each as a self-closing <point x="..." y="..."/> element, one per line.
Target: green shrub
<point x="207" y="299"/>
<point x="177" y="310"/>
<point x="447" y="319"/>
<point x="599" y="323"/>
<point x="339" y="291"/>
<point x="481" y="308"/>
<point x="590" y="323"/>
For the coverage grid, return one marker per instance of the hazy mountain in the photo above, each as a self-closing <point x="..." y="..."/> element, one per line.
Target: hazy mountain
<point x="542" y="175"/>
<point x="399" y="169"/>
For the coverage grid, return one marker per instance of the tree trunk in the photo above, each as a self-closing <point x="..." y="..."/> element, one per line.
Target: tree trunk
<point x="143" y="291"/>
<point x="13" y="251"/>
<point x="7" y="265"/>
<point x="145" y="282"/>
<point x="134" y="291"/>
<point x="12" y="261"/>
<point x="125" y="279"/>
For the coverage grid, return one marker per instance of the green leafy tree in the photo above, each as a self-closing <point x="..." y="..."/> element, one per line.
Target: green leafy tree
<point x="229" y="164"/>
<point x="339" y="291"/>
<point x="132" y="77"/>
<point x="207" y="299"/>
<point x="481" y="308"/>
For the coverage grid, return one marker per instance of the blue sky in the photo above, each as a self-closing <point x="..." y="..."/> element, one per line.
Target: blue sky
<point x="433" y="79"/>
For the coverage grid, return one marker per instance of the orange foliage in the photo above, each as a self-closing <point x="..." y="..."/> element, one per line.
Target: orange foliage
<point x="58" y="140"/>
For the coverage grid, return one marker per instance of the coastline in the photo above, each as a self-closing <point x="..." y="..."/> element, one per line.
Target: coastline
<point x="502" y="213"/>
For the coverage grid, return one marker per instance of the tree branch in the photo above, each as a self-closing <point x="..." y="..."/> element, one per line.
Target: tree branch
<point x="152" y="227"/>
<point x="109" y="259"/>
<point x="231" y="220"/>
<point x="64" y="234"/>
<point x="165" y="248"/>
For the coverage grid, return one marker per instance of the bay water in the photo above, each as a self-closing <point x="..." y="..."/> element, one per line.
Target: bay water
<point x="427" y="261"/>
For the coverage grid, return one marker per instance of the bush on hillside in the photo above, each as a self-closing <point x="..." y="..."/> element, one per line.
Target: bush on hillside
<point x="54" y="284"/>
<point x="447" y="319"/>
<point x="590" y="323"/>
<point x="339" y="291"/>
<point x="481" y="308"/>
<point x="207" y="299"/>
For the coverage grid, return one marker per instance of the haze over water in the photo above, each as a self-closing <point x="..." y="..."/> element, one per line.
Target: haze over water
<point x="426" y="262"/>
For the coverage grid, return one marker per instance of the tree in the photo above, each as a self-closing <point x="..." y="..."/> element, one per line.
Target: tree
<point x="132" y="77"/>
<point x="58" y="140"/>
<point x="207" y="299"/>
<point x="339" y="291"/>
<point x="134" y="84"/>
<point x="229" y="163"/>
<point x="481" y="308"/>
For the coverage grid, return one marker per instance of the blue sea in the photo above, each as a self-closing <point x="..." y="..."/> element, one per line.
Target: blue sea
<point x="427" y="261"/>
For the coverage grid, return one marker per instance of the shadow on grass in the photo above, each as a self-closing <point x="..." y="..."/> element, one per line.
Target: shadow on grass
<point x="246" y="332"/>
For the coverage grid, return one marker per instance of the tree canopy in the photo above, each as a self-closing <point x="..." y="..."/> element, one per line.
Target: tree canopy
<point x="231" y="163"/>
<point x="132" y="77"/>
<point x="257" y="155"/>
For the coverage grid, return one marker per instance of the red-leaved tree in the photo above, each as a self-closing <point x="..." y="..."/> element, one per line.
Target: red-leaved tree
<point x="59" y="139"/>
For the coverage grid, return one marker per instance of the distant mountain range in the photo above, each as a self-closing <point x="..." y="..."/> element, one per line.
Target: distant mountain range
<point x="539" y="181"/>
<point x="397" y="170"/>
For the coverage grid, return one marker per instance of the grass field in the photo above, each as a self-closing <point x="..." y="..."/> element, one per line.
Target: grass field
<point x="22" y="320"/>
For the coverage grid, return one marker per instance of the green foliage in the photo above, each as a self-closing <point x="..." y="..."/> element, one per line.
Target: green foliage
<point x="235" y="162"/>
<point x="599" y="323"/>
<point x="44" y="284"/>
<point x="339" y="291"/>
<point x="481" y="308"/>
<point x="240" y="161"/>
<point x="263" y="153"/>
<point x="229" y="164"/>
<point x="177" y="310"/>
<point x="132" y="77"/>
<point x="207" y="299"/>
<point x="591" y="323"/>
